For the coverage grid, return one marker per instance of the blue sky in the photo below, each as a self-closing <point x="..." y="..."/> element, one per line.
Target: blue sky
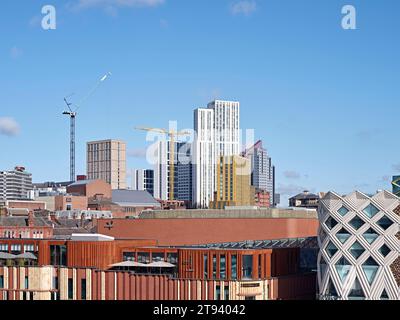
<point x="324" y="100"/>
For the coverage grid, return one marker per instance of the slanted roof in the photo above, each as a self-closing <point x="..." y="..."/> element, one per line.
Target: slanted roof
<point x="81" y="183"/>
<point x="305" y="196"/>
<point x="134" y="198"/>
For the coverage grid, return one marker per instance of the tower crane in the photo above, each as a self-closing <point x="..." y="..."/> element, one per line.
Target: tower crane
<point x="72" y="115"/>
<point x="172" y="134"/>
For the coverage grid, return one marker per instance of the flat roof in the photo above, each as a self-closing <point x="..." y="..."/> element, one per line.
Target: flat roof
<point x="240" y="213"/>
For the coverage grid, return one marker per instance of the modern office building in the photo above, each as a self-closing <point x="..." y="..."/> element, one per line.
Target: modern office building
<point x="15" y="184"/>
<point x="143" y="179"/>
<point x="262" y="170"/>
<point x="203" y="158"/>
<point x="226" y="127"/>
<point x="233" y="186"/>
<point x="396" y="185"/>
<point x="359" y="240"/>
<point x="106" y="160"/>
<point x="182" y="171"/>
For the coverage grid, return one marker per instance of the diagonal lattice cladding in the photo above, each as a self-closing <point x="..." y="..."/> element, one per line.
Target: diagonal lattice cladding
<point x="395" y="267"/>
<point x="397" y="210"/>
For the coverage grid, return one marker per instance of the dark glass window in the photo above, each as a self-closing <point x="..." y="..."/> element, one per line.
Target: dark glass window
<point x="247" y="270"/>
<point x="172" y="258"/>
<point x="1" y="282"/>
<point x="26" y="282"/>
<point x="70" y="289"/>
<point x="144" y="257"/>
<point x="214" y="261"/>
<point x="128" y="256"/>
<point x="83" y="289"/>
<point x="58" y="255"/>
<point x="218" y="292"/>
<point x="234" y="266"/>
<point x="222" y="266"/>
<point x="157" y="256"/>
<point x="226" y="292"/>
<point x="205" y="259"/>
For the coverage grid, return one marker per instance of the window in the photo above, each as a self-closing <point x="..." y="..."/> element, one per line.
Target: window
<point x="3" y="247"/>
<point x="356" y="250"/>
<point x="331" y="223"/>
<point x="356" y="292"/>
<point x="157" y="256"/>
<point x="384" y="295"/>
<point x="343" y="211"/>
<point x="331" y="249"/>
<point x="1" y="282"/>
<point x="205" y="259"/>
<point x="70" y="289"/>
<point x="58" y="255"/>
<point x="343" y="235"/>
<point x="144" y="257"/>
<point x="371" y="211"/>
<point x="234" y="266"/>
<point x="218" y="292"/>
<point x="128" y="256"/>
<point x="172" y="258"/>
<point x="384" y="250"/>
<point x="214" y="266"/>
<point x="29" y="248"/>
<point x="247" y="270"/>
<point x="16" y="249"/>
<point x="222" y="266"/>
<point x="83" y="289"/>
<point x="343" y="268"/>
<point x="384" y="223"/>
<point x="226" y="292"/>
<point x="26" y="282"/>
<point x="370" y="268"/>
<point x="370" y="235"/>
<point x="356" y="222"/>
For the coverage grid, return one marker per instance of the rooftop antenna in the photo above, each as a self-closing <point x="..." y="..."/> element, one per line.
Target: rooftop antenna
<point x="72" y="114"/>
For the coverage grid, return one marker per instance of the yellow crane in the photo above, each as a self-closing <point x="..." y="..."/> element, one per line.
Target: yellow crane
<point x="172" y="134"/>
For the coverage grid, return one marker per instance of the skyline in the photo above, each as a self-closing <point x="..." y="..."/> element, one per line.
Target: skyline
<point x="274" y="69"/>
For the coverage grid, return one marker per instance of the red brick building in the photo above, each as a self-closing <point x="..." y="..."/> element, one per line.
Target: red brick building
<point x="90" y="188"/>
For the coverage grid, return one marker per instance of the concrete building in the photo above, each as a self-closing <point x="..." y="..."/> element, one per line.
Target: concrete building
<point x="106" y="160"/>
<point x="203" y="158"/>
<point x="182" y="173"/>
<point x="359" y="240"/>
<point x="226" y="127"/>
<point x="233" y="186"/>
<point x="15" y="184"/>
<point x="90" y="188"/>
<point x="262" y="170"/>
<point x="143" y="179"/>
<point x="305" y="199"/>
<point x="49" y="189"/>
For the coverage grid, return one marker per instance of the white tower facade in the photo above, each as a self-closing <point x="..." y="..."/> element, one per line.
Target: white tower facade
<point x="359" y="240"/>
<point x="226" y="127"/>
<point x="203" y="158"/>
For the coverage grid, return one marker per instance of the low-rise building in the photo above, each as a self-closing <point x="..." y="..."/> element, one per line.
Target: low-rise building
<point x="304" y="200"/>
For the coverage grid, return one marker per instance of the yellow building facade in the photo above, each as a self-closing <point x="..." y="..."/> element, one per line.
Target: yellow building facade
<point x="233" y="183"/>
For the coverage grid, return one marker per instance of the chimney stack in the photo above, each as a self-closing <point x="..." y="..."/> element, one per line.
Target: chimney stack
<point x="30" y="219"/>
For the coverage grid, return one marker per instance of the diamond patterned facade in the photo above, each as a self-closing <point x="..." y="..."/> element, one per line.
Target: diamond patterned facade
<point x="359" y="247"/>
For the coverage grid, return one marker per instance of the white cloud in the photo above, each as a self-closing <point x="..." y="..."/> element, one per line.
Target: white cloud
<point x="9" y="127"/>
<point x="290" y="189"/>
<point x="137" y="153"/>
<point x="291" y="174"/>
<point x="244" y="7"/>
<point x="15" y="52"/>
